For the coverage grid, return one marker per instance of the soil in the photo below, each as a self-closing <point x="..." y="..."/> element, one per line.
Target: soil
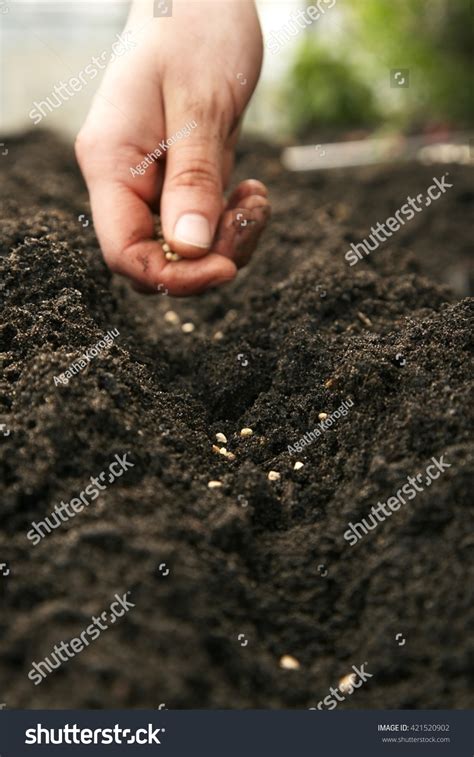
<point x="301" y="332"/>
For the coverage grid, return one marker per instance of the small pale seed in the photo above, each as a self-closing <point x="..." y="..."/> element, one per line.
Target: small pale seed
<point x="364" y="318"/>
<point x="165" y="247"/>
<point x="188" y="327"/>
<point x="214" y="484"/>
<point x="218" y="336"/>
<point x="223" y="451"/>
<point x="246" y="432"/>
<point x="230" y="456"/>
<point x="216" y="449"/>
<point x="298" y="465"/>
<point x="347" y="682"/>
<point x="287" y="662"/>
<point x="322" y="416"/>
<point x="221" y="437"/>
<point x="171" y="317"/>
<point x="273" y="475"/>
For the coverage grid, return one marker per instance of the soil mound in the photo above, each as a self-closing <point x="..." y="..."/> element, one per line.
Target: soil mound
<point x="226" y="581"/>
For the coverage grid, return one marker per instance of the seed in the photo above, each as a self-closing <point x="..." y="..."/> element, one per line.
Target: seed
<point x="273" y="475"/>
<point x="221" y="437"/>
<point x="246" y="432"/>
<point x="214" y="484"/>
<point x="172" y="256"/>
<point x="171" y="317"/>
<point x="322" y="416"/>
<point x="223" y="451"/>
<point x="364" y="318"/>
<point x="298" y="465"/>
<point x="215" y="449"/>
<point x="188" y="327"/>
<point x="218" y="336"/>
<point x="165" y="247"/>
<point x="287" y="662"/>
<point x="347" y="682"/>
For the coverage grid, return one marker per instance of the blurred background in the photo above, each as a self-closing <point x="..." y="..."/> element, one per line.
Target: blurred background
<point x="362" y="66"/>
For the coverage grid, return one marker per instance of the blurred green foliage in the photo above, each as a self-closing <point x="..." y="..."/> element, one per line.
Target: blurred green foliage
<point x="324" y="91"/>
<point x="344" y="79"/>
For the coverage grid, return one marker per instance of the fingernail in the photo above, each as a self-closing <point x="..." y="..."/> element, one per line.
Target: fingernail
<point x="194" y="229"/>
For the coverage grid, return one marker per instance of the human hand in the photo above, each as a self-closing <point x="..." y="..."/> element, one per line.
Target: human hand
<point x="182" y="71"/>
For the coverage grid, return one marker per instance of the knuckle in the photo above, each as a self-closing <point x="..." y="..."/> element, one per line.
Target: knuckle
<point x="84" y="145"/>
<point x="199" y="173"/>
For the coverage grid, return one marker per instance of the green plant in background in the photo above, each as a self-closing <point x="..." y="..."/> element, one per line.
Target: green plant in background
<point x="324" y="91"/>
<point x="434" y="39"/>
<point x="348" y="84"/>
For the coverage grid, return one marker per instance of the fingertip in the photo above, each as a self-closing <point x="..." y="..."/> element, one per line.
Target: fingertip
<point x="192" y="235"/>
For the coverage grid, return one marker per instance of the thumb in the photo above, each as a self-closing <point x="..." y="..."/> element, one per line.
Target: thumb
<point x="192" y="196"/>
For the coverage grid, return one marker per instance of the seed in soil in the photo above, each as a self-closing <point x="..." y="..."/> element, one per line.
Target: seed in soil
<point x="188" y="327"/>
<point x="322" y="416"/>
<point x="221" y="437"/>
<point x="298" y="465"/>
<point x="171" y="317"/>
<point x="288" y="662"/>
<point x="246" y="432"/>
<point x="214" y="484"/>
<point x="273" y="475"/>
<point x="225" y="453"/>
<point x="346" y="682"/>
<point x="365" y="319"/>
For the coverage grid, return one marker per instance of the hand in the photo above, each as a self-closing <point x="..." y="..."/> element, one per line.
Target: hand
<point x="181" y="73"/>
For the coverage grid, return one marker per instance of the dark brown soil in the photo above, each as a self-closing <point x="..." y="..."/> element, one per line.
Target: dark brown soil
<point x="301" y="333"/>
